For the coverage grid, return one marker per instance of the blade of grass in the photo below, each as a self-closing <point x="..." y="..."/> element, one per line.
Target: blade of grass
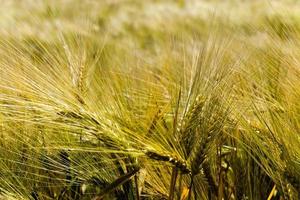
<point x="121" y="180"/>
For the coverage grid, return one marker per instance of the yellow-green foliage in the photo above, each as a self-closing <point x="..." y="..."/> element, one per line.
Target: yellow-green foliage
<point x="115" y="99"/>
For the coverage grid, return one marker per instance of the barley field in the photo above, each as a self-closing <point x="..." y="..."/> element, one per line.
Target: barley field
<point x="150" y="99"/>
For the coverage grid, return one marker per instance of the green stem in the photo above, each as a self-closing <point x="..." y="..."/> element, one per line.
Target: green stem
<point x="136" y="187"/>
<point x="173" y="183"/>
<point x="190" y="187"/>
<point x="180" y="187"/>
